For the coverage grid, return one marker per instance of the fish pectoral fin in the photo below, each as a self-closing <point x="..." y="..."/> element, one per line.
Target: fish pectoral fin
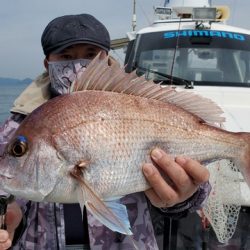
<point x="111" y="214"/>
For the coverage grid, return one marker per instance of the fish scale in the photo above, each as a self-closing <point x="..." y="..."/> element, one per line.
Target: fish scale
<point x="130" y="132"/>
<point x="133" y="122"/>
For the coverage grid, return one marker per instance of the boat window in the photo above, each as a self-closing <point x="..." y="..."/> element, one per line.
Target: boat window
<point x="222" y="60"/>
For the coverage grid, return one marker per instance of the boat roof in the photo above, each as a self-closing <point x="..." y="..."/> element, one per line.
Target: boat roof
<point x="168" y="25"/>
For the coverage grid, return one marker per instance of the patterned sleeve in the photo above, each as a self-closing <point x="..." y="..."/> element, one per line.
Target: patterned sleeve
<point x="7" y="129"/>
<point x="195" y="202"/>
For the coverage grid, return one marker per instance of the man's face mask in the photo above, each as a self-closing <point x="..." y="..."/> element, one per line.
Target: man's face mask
<point x="63" y="73"/>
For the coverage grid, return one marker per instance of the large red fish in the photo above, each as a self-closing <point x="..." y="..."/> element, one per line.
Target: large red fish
<point x="89" y="146"/>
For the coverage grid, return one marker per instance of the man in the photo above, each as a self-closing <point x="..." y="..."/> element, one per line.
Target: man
<point x="69" y="44"/>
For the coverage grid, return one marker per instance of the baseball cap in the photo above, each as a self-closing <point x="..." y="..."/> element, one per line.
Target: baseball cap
<point x="68" y="30"/>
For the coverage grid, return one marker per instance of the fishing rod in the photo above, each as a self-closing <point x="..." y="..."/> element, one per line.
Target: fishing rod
<point x="4" y="201"/>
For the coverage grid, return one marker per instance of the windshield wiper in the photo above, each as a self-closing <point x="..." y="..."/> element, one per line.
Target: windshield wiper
<point x="169" y="79"/>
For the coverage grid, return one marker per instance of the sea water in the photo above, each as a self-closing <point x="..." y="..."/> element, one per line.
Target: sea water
<point x="8" y="93"/>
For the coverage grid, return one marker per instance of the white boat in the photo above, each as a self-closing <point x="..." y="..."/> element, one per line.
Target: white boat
<point x="191" y="46"/>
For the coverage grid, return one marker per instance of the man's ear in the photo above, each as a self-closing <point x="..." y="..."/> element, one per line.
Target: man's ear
<point x="45" y="63"/>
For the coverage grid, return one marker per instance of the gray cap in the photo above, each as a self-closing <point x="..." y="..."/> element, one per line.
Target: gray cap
<point x="65" y="31"/>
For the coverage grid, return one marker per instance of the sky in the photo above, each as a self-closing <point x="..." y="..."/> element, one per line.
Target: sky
<point x="23" y="21"/>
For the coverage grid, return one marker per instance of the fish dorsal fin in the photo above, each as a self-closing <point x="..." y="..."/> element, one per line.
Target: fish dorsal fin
<point x="105" y="74"/>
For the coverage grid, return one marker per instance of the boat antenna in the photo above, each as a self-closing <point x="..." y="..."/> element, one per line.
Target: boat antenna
<point x="174" y="56"/>
<point x="176" y="46"/>
<point x="134" y="15"/>
<point x="166" y="2"/>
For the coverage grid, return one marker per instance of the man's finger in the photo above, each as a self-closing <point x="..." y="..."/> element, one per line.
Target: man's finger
<point x="172" y="169"/>
<point x="154" y="198"/>
<point x="164" y="191"/>
<point x="6" y="245"/>
<point x="194" y="169"/>
<point x="3" y="235"/>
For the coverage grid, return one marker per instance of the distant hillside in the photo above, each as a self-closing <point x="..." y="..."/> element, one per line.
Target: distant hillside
<point x="4" y="80"/>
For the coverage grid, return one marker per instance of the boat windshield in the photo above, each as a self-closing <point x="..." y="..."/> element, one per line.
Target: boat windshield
<point x="203" y="57"/>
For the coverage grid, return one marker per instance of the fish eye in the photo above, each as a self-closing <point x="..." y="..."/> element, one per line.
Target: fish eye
<point x="19" y="147"/>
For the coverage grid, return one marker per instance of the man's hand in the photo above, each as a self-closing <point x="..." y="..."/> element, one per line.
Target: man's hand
<point x="13" y="219"/>
<point x="182" y="178"/>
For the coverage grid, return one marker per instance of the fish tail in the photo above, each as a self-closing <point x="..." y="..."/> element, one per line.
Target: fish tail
<point x="245" y="157"/>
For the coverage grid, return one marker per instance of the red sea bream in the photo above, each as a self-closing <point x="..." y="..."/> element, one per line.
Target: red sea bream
<point x="89" y="146"/>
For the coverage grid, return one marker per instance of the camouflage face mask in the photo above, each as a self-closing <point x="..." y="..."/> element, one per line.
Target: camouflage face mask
<point x="63" y="73"/>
